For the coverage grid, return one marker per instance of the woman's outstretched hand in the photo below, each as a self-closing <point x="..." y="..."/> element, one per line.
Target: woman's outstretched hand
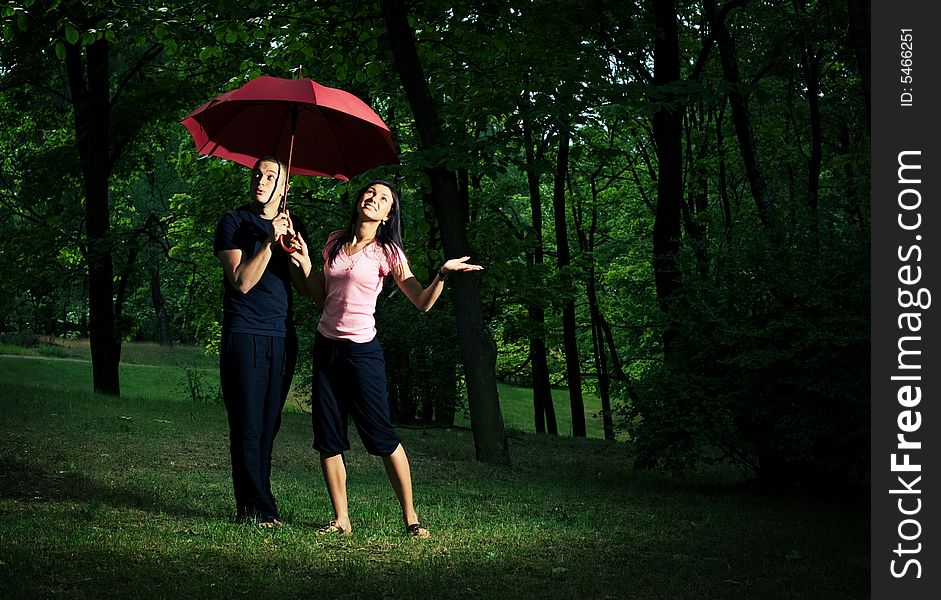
<point x="459" y="264"/>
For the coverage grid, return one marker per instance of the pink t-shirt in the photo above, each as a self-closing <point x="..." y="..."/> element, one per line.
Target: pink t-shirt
<point x="353" y="284"/>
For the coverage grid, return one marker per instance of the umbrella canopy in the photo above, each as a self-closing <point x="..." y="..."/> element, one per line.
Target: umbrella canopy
<point x="317" y="129"/>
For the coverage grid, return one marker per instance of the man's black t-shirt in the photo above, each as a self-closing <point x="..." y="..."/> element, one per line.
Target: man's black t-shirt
<point x="266" y="309"/>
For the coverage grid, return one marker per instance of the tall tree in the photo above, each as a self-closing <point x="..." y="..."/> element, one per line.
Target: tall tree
<point x="738" y="101"/>
<point x="573" y="367"/>
<point x="586" y="241"/>
<point x="478" y="349"/>
<point x="860" y="28"/>
<point x="90" y="87"/>
<point x="114" y="87"/>
<point x="668" y="137"/>
<point x="543" y="408"/>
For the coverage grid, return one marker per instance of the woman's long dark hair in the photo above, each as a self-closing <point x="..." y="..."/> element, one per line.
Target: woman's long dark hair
<point x="388" y="235"/>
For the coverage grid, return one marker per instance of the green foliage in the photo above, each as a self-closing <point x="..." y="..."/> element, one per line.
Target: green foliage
<point x="767" y="363"/>
<point x="43" y="196"/>
<point x="425" y="381"/>
<point x="769" y="371"/>
<point x="760" y="329"/>
<point x="202" y="387"/>
<point x="23" y="339"/>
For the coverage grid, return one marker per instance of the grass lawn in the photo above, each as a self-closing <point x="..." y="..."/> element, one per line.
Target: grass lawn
<point x="516" y="404"/>
<point x="135" y="353"/>
<point x="130" y="497"/>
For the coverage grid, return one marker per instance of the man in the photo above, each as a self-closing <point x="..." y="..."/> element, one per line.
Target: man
<point x="259" y="342"/>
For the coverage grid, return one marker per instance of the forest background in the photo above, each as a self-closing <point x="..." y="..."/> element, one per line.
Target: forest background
<point x="671" y="200"/>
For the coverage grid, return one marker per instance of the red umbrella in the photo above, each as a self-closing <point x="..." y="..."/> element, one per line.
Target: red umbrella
<point x="319" y="129"/>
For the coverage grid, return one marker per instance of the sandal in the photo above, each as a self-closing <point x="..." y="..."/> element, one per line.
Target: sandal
<point x="417" y="531"/>
<point x="333" y="527"/>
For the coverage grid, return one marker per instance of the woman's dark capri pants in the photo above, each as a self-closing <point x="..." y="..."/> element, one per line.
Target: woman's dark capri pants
<point x="349" y="380"/>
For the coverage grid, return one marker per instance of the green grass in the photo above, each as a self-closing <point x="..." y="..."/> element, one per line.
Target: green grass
<point x="130" y="497"/>
<point x="139" y="378"/>
<point x="139" y="353"/>
<point x="516" y="404"/>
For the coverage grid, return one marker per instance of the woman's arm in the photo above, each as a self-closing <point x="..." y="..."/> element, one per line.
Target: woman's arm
<point x="425" y="298"/>
<point x="305" y="279"/>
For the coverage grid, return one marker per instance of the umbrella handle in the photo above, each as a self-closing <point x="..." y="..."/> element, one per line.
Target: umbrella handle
<point x="285" y="242"/>
<point x="287" y="247"/>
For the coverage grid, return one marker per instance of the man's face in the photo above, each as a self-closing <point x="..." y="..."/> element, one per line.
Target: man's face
<point x="266" y="177"/>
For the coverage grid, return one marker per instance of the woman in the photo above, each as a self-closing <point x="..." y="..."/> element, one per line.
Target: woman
<point x="349" y="367"/>
<point x="259" y="343"/>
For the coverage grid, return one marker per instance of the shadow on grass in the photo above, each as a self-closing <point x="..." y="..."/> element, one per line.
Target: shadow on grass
<point x="90" y="572"/>
<point x="286" y="564"/>
<point x="24" y="480"/>
<point x="552" y="526"/>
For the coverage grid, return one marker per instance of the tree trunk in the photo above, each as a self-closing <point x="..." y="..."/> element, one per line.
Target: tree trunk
<point x="811" y="67"/>
<point x="850" y="191"/>
<point x="159" y="303"/>
<point x="860" y="34"/>
<point x="740" y="117"/>
<point x="694" y="209"/>
<point x="668" y="135"/>
<point x="723" y="176"/>
<point x="161" y="315"/>
<point x="586" y="244"/>
<point x="478" y="349"/>
<point x="445" y="408"/>
<point x="91" y="108"/>
<point x="619" y="373"/>
<point x="573" y="368"/>
<point x="544" y="410"/>
<point x="542" y="389"/>
<point x="601" y="357"/>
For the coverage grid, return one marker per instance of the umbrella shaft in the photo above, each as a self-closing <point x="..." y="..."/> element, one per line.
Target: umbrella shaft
<point x="284" y="198"/>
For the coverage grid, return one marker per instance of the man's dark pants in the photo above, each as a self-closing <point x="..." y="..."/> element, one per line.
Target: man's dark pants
<point x="256" y="373"/>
